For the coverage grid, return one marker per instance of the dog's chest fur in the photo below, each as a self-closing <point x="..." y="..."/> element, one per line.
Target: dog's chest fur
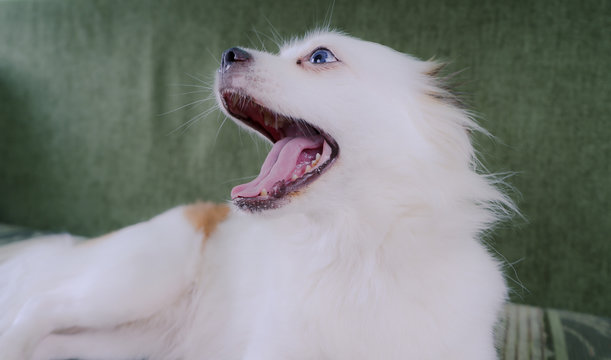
<point x="298" y="287"/>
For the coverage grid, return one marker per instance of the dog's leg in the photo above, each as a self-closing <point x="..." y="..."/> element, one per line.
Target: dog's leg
<point x="126" y="276"/>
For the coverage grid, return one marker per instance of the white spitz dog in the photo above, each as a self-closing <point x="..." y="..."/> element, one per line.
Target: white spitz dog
<point x="359" y="239"/>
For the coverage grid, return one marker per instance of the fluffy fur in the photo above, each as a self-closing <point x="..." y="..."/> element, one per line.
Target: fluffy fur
<point x="379" y="258"/>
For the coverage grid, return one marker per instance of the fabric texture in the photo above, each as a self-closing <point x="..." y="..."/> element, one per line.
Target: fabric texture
<point x="533" y="333"/>
<point x="100" y="122"/>
<point x="11" y="233"/>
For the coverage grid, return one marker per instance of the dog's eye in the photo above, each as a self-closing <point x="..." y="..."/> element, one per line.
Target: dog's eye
<point x="322" y="56"/>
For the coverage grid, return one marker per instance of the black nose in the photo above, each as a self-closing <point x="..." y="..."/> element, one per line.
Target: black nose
<point x="233" y="55"/>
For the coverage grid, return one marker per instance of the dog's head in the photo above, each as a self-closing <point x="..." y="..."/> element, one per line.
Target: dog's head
<point x="351" y="121"/>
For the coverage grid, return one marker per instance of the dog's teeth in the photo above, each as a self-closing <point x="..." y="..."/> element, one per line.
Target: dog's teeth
<point x="263" y="192"/>
<point x="294" y="177"/>
<point x="308" y="168"/>
<point x="267" y="119"/>
<point x="315" y="161"/>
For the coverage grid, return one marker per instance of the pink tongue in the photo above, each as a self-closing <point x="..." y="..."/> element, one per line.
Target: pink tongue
<point x="279" y="165"/>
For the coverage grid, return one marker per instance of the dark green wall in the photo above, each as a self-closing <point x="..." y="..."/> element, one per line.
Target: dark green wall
<point x="84" y="146"/>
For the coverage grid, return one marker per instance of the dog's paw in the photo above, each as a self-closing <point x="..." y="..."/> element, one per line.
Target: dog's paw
<point x="205" y="216"/>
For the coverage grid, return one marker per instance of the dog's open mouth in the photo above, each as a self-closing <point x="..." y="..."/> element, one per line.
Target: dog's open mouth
<point x="300" y="154"/>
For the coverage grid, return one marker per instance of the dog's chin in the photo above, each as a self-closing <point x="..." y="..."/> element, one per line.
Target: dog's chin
<point x="300" y="155"/>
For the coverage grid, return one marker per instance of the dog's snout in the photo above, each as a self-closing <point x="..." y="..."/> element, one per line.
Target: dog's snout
<point x="232" y="56"/>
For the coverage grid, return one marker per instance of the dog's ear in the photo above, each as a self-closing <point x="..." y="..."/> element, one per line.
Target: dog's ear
<point x="446" y="85"/>
<point x="436" y="68"/>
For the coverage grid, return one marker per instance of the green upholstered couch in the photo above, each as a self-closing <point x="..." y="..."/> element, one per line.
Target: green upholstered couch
<point x="104" y="121"/>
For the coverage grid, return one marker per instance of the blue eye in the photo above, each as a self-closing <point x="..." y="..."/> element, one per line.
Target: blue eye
<point x="322" y="56"/>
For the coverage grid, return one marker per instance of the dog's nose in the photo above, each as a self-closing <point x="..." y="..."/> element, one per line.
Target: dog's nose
<point x="232" y="56"/>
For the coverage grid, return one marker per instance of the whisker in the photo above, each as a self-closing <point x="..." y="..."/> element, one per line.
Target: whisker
<point x="240" y="137"/>
<point x="277" y="37"/>
<point x="219" y="129"/>
<point x="196" y="102"/>
<point x="259" y="37"/>
<point x="213" y="56"/>
<point x="198" y="79"/>
<point x="278" y="44"/>
<point x="199" y="117"/>
<point x="252" y="43"/>
<point x="254" y="140"/>
<point x="329" y="16"/>
<point x="194" y="92"/>
<point x="193" y="120"/>
<point x="209" y="87"/>
<point x="241" y="179"/>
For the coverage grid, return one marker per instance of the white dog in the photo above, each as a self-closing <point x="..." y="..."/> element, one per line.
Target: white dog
<point x="359" y="239"/>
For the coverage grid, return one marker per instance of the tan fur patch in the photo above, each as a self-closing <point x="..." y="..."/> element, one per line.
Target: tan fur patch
<point x="206" y="215"/>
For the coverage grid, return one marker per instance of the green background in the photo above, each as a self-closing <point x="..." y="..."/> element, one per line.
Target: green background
<point x="89" y="141"/>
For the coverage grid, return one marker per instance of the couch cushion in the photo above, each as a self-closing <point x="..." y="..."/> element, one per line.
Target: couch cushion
<point x="533" y="333"/>
<point x="12" y="233"/>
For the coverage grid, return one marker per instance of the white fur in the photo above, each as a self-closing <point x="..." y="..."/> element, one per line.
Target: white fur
<point x="380" y="258"/>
